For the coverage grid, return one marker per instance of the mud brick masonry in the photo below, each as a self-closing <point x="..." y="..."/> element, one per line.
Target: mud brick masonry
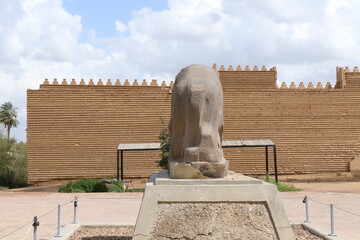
<point x="74" y="128"/>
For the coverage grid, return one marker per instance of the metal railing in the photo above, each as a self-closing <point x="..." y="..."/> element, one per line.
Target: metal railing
<point x="331" y="207"/>
<point x="35" y="223"/>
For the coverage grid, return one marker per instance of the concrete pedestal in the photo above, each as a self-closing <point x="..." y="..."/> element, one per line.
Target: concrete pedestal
<point x="234" y="207"/>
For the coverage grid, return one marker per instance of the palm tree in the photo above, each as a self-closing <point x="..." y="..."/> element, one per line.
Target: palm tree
<point x="8" y="117"/>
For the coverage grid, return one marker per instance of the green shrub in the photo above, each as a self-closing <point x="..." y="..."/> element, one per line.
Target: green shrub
<point x="117" y="186"/>
<point x="5" y="152"/>
<point x="84" y="186"/>
<point x="93" y="185"/>
<point x="282" y="187"/>
<point x="165" y="145"/>
<point x="7" y="177"/>
<point x="100" y="187"/>
<point x="12" y="163"/>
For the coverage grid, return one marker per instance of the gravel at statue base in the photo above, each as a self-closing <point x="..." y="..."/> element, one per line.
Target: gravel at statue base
<point x="103" y="233"/>
<point x="125" y="233"/>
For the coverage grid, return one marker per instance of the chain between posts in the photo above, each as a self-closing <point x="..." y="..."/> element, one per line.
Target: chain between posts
<point x="332" y="215"/>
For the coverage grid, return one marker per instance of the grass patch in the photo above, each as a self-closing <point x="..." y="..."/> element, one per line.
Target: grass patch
<point x="95" y="185"/>
<point x="134" y="190"/>
<point x="282" y="187"/>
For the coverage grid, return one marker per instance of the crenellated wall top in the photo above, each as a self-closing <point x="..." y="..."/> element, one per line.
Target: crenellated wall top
<point x="107" y="83"/>
<point x="345" y="78"/>
<point x="247" y="68"/>
<point x="302" y="86"/>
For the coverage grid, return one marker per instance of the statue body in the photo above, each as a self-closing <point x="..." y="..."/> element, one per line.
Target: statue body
<point x="179" y="209"/>
<point x="196" y="125"/>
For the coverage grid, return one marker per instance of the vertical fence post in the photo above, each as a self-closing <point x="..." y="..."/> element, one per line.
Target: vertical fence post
<point x="117" y="165"/>
<point x="332" y="220"/>
<point x="122" y="164"/>
<point x="58" y="223"/>
<point x="267" y="160"/>
<point x="275" y="164"/>
<point x="75" y="209"/>
<point x="35" y="224"/>
<point x="306" y="201"/>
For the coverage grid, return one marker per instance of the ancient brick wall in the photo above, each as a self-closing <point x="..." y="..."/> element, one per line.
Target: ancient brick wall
<point x="73" y="130"/>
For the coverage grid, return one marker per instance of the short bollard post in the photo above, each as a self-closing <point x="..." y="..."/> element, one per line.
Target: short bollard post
<point x="306" y="201"/>
<point x="58" y="224"/>
<point x="332" y="220"/>
<point x="75" y="209"/>
<point x="35" y="224"/>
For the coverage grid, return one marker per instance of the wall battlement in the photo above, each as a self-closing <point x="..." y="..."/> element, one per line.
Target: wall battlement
<point x="247" y="68"/>
<point x="255" y="78"/>
<point x="109" y="82"/>
<point x="345" y="78"/>
<point x="238" y="78"/>
<point x="247" y="78"/>
<point x="301" y="86"/>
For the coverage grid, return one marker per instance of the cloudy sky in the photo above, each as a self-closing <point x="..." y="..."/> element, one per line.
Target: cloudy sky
<point x="140" y="39"/>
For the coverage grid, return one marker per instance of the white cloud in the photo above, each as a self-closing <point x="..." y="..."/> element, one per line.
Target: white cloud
<point x="39" y="39"/>
<point x="306" y="34"/>
<point x="306" y="40"/>
<point x="120" y="27"/>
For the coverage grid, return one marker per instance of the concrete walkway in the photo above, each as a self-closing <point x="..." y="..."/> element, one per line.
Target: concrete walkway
<point x="18" y="209"/>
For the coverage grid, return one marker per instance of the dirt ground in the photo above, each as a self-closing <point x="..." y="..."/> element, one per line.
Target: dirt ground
<point x="340" y="187"/>
<point x="346" y="182"/>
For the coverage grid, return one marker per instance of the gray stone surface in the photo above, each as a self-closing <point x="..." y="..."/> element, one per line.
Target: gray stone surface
<point x="212" y="221"/>
<point x="163" y="178"/>
<point x="250" y="192"/>
<point x="196" y="125"/>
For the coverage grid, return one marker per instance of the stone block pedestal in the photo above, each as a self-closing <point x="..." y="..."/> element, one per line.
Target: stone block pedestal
<point x="234" y="207"/>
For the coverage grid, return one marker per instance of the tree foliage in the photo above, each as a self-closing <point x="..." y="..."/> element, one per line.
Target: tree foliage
<point x="8" y="117"/>
<point x="165" y="145"/>
<point x="12" y="163"/>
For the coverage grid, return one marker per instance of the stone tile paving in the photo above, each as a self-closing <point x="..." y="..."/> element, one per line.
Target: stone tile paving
<point x="18" y="209"/>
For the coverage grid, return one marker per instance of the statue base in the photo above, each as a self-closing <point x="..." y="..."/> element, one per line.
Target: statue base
<point x="198" y="170"/>
<point x="234" y="207"/>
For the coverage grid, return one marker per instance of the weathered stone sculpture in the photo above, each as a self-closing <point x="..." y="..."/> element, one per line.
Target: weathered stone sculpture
<point x="232" y="207"/>
<point x="196" y="125"/>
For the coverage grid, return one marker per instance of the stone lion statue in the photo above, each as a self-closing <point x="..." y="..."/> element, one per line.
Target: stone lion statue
<point x="196" y="125"/>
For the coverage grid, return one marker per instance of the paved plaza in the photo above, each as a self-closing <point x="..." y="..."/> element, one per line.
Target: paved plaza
<point x="19" y="208"/>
